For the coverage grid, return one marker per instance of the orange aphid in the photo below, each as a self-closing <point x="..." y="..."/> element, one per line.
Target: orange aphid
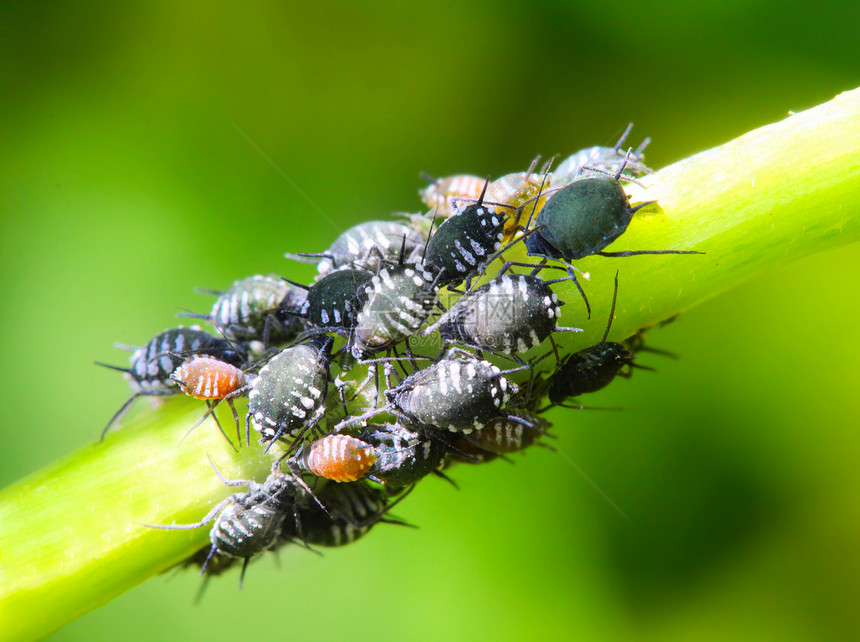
<point x="208" y="378"/>
<point x="340" y="458"/>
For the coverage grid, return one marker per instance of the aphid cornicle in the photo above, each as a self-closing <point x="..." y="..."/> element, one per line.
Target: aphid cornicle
<point x="366" y="246"/>
<point x="249" y="523"/>
<point x="335" y="299"/>
<point x="287" y="398"/>
<point x="211" y="380"/>
<point x="403" y="456"/>
<point x="456" y="394"/>
<point x="396" y="303"/>
<point x="511" y="314"/>
<point x="259" y="308"/>
<point x="340" y="458"/>
<point x="152" y="365"/>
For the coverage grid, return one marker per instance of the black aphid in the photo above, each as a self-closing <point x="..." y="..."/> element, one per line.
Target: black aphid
<point x="403" y="456"/>
<point x="334" y="301"/>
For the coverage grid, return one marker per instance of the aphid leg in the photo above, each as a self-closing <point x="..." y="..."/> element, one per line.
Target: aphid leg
<point x="442" y="475"/>
<point x="187" y="527"/>
<point x="124" y="407"/>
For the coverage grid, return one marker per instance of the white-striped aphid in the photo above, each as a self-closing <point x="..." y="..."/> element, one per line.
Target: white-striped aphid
<point x="366" y="246"/>
<point x="258" y="308"/>
<point x="510" y="315"/>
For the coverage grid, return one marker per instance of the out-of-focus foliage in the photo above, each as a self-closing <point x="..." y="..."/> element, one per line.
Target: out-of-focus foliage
<point x="135" y="166"/>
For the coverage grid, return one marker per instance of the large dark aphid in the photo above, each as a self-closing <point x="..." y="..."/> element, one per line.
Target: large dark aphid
<point x="584" y="217"/>
<point x="334" y="301"/>
<point x="511" y="314"/>
<point x="258" y="308"/>
<point x="287" y="398"/>
<point x="352" y="510"/>
<point x="249" y="523"/>
<point x="366" y="246"/>
<point x="456" y="394"/>
<point x="152" y="365"/>
<point x="591" y="369"/>
<point x="397" y="301"/>
<point x="340" y="458"/>
<point x="464" y="242"/>
<point x="403" y="456"/>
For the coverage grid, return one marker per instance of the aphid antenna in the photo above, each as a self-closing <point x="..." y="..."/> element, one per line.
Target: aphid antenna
<point x="297" y="479"/>
<point x="442" y="475"/>
<point x="209" y="292"/>
<point x="211" y="411"/>
<point x="664" y="353"/>
<point x="424" y="176"/>
<point x="112" y="367"/>
<point x="496" y="255"/>
<point x="298" y="285"/>
<point x="308" y="257"/>
<point x="190" y="314"/>
<point x="127" y="347"/>
<point x="351" y="421"/>
<point x="531" y="168"/>
<point x="611" y="311"/>
<point x="627" y="130"/>
<point x="429" y="234"/>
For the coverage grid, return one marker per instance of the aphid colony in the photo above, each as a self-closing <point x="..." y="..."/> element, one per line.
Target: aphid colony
<point x="364" y="382"/>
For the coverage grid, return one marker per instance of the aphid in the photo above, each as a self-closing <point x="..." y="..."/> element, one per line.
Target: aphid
<point x="441" y="195"/>
<point x="334" y="300"/>
<point x="152" y="365"/>
<point x="248" y="523"/>
<point x="286" y="399"/>
<point x="397" y="301"/>
<point x="607" y="159"/>
<point x="340" y="458"/>
<point x="464" y="451"/>
<point x="352" y="510"/>
<point x="259" y="308"/>
<point x="366" y="246"/>
<point x="591" y="369"/>
<point x="211" y="379"/>
<point x="456" y="394"/>
<point x="463" y="243"/>
<point x="509" y="434"/>
<point x="511" y="314"/>
<point x="403" y="456"/>
<point x="584" y="217"/>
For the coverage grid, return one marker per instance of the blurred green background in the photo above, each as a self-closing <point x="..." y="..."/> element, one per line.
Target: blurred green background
<point x="127" y="178"/>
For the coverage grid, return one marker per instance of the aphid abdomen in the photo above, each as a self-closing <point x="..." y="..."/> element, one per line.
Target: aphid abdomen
<point x="251" y="310"/>
<point x="396" y="303"/>
<point x="588" y="371"/>
<point x="506" y="435"/>
<point x="208" y="378"/>
<point x="404" y="457"/>
<point x="511" y="314"/>
<point x="353" y="509"/>
<point x="243" y="531"/>
<point x="340" y="458"/>
<point x="459" y="395"/>
<point x="290" y="390"/>
<point x="335" y="299"/>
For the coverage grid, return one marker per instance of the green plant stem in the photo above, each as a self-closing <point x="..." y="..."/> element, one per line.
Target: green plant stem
<point x="72" y="536"/>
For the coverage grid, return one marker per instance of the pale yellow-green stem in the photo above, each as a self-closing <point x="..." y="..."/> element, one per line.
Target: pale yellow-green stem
<point x="72" y="536"/>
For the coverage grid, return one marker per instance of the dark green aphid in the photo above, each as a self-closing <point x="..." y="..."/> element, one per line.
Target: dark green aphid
<point x="152" y="365"/>
<point x="510" y="315"/>
<point x="404" y="456"/>
<point x="367" y="246"/>
<point x="334" y="301"/>
<point x="351" y="511"/>
<point x="249" y="523"/>
<point x="259" y="308"/>
<point x="287" y="398"/>
<point x="397" y="301"/>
